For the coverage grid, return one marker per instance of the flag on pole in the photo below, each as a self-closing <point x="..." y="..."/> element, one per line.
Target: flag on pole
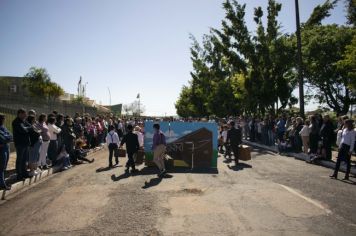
<point x="79" y="86"/>
<point x="138" y="96"/>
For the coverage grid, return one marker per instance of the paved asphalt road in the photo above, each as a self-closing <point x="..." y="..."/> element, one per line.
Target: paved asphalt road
<point x="269" y="195"/>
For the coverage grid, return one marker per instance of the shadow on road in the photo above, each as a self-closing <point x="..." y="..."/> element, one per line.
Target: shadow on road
<point x="348" y="181"/>
<point x="240" y="166"/>
<point x="178" y="170"/>
<point x="153" y="182"/>
<point x="101" y="169"/>
<point x="120" y="177"/>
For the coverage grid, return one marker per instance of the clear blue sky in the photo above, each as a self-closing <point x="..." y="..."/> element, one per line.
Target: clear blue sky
<point x="131" y="46"/>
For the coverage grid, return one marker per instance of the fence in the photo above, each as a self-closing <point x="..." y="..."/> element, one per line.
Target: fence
<point x="42" y="106"/>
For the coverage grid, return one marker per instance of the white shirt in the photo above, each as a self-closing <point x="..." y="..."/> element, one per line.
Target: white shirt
<point x="53" y="131"/>
<point x="348" y="138"/>
<point x="112" y="137"/>
<point x="224" y="135"/>
<point x="305" y="132"/>
<point x="140" y="138"/>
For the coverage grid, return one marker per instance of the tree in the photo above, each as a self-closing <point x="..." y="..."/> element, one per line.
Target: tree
<point x="351" y="12"/>
<point x="319" y="13"/>
<point x="235" y="72"/>
<point x="326" y="67"/>
<point x="39" y="84"/>
<point x="348" y="63"/>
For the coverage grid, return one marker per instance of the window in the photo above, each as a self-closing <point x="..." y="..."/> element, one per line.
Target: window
<point x="13" y="88"/>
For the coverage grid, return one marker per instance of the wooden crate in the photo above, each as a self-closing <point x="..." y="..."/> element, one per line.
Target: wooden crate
<point x="244" y="153"/>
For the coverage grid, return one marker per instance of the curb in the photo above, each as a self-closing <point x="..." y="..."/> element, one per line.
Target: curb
<point x="35" y="179"/>
<point x="302" y="157"/>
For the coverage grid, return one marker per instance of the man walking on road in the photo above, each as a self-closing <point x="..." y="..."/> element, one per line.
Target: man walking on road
<point x="132" y="146"/>
<point x="234" y="138"/>
<point x="112" y="140"/>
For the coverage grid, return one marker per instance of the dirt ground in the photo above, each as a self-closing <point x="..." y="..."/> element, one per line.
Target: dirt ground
<point x="269" y="195"/>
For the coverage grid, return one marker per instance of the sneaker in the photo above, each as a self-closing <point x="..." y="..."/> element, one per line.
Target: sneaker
<point x="333" y="176"/>
<point x="162" y="174"/>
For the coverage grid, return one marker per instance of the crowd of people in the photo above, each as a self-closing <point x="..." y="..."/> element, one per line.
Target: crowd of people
<point x="54" y="139"/>
<point x="315" y="136"/>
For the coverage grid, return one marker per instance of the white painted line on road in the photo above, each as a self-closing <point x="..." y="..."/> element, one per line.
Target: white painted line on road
<point x="315" y="203"/>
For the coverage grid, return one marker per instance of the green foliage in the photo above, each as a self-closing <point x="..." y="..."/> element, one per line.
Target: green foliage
<point x="320" y="12"/>
<point x="39" y="84"/>
<point x="236" y="72"/>
<point x="348" y="63"/>
<point x="327" y="65"/>
<point x="351" y="11"/>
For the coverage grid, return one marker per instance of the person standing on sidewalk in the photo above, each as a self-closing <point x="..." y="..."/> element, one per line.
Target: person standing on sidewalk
<point x="345" y="149"/>
<point x="42" y="163"/>
<point x="68" y="135"/>
<point x="21" y="128"/>
<point x="35" y="145"/>
<point x="159" y="150"/>
<point x="53" y="144"/>
<point x="327" y="136"/>
<point x="112" y="140"/>
<point x="132" y="146"/>
<point x="234" y="138"/>
<point x="304" y="133"/>
<point x="314" y="135"/>
<point x="281" y="128"/>
<point x="5" y="138"/>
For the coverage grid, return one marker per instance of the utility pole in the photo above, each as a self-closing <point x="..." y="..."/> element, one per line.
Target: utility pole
<point x="109" y="96"/>
<point x="300" y="62"/>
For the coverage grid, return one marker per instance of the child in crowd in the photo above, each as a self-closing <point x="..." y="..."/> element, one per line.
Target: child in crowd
<point x="80" y="154"/>
<point x="63" y="159"/>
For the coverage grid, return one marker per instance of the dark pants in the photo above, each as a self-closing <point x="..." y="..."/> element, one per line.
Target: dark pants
<point x="314" y="138"/>
<point x="4" y="158"/>
<point x="52" y="151"/>
<point x="280" y="135"/>
<point x="22" y="155"/>
<point x="131" y="161"/>
<point x="343" y="156"/>
<point x="252" y="135"/>
<point x="227" y="150"/>
<point x="112" y="147"/>
<point x="235" y="149"/>
<point x="327" y="148"/>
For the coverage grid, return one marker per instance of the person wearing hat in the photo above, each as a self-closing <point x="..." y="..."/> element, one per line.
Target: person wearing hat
<point x="346" y="148"/>
<point x="32" y="113"/>
<point x="5" y="138"/>
<point x="80" y="154"/>
<point x="137" y="131"/>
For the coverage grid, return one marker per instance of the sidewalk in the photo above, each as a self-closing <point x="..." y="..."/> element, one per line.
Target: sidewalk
<point x="302" y="157"/>
<point x="17" y="186"/>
